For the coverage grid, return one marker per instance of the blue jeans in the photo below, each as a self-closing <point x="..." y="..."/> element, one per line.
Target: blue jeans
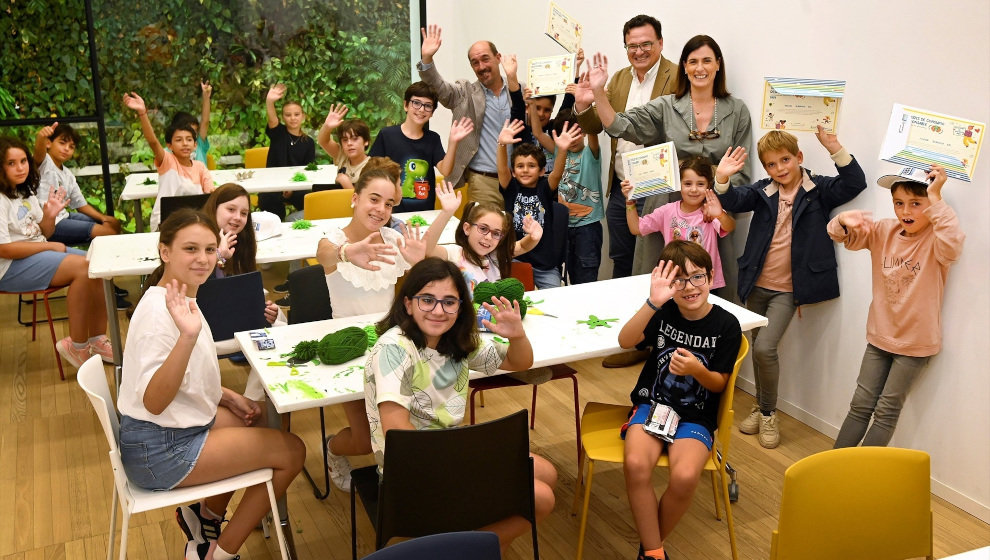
<point x="74" y="229"/>
<point x="156" y="457"/>
<point x="546" y="278"/>
<point x="621" y="243"/>
<point x="584" y="253"/>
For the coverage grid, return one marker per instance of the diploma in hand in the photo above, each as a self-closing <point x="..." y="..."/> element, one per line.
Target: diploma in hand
<point x="919" y="138"/>
<point x="799" y="104"/>
<point x="652" y="170"/>
<point x="564" y="29"/>
<point x="549" y="75"/>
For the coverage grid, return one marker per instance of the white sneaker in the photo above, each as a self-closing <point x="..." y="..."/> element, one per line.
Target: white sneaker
<point x="751" y="424"/>
<point x="340" y="468"/>
<point x="769" y="434"/>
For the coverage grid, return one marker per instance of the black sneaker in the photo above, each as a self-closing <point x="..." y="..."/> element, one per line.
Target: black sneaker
<point x="198" y="529"/>
<point x="642" y="555"/>
<point x="284" y="302"/>
<point x="198" y="551"/>
<point x="122" y="303"/>
<point x="282" y="288"/>
<point x="117" y="290"/>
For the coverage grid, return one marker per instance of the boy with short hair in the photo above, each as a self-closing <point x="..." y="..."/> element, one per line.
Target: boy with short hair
<point x="528" y="192"/>
<point x="58" y="143"/>
<point x="201" y="126"/>
<point x="580" y="190"/>
<point x="418" y="150"/>
<point x="789" y="259"/>
<point x="694" y="347"/>
<point x="178" y="173"/>
<point x="350" y="154"/>
<point x="911" y="255"/>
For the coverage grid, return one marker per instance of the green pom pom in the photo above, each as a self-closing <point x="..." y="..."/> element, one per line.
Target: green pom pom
<point x="312" y="166"/>
<point x="417" y="220"/>
<point x="343" y="346"/>
<point x="302" y="224"/>
<point x="372" y="335"/>
<point x="299" y="177"/>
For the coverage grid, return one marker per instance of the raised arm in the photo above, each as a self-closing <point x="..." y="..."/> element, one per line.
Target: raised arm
<point x="507" y="323"/>
<point x="632" y="213"/>
<point x="534" y="232"/>
<point x="459" y="130"/>
<point x="275" y="93"/>
<point x="450" y="201"/>
<point x="41" y="141"/>
<point x="134" y="102"/>
<point x="661" y="290"/>
<point x="546" y="142"/>
<point x="325" y="137"/>
<point x="204" y="115"/>
<point x="448" y="94"/>
<point x="360" y="254"/>
<point x="507" y="136"/>
<point x="563" y="141"/>
<point x="165" y="382"/>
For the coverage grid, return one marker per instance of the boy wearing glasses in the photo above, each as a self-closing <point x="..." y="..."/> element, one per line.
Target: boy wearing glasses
<point x="418" y="150"/>
<point x="675" y="400"/>
<point x="789" y="259"/>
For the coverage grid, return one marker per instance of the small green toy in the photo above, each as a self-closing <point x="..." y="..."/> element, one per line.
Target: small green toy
<point x="593" y="321"/>
<point x="299" y="177"/>
<point x="149" y="181"/>
<point x="312" y="166"/>
<point x="417" y="221"/>
<point x="302" y="224"/>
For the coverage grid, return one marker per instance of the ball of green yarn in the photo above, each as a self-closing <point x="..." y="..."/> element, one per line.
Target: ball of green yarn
<point x="372" y="335"/>
<point x="343" y="346"/>
<point x="509" y="288"/>
<point x="306" y="350"/>
<point x="484" y="291"/>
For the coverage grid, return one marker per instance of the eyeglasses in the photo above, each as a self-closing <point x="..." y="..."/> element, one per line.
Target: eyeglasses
<point x="696" y="280"/>
<point x="646" y="46"/>
<point x="417" y="104"/>
<point x="485" y="230"/>
<point x="706" y="135"/>
<point x="429" y="303"/>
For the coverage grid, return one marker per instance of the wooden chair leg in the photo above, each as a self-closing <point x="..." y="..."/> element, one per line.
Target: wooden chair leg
<point x="577" y="419"/>
<point x="532" y="410"/>
<point x="34" y="315"/>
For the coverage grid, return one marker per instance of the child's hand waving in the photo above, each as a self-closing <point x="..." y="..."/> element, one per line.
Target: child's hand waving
<point x="711" y="207"/>
<point x="568" y="134"/>
<point x="460" y="129"/>
<point x="276" y="92"/>
<point x="732" y="162"/>
<point x="507" y="316"/>
<point x="134" y="102"/>
<point x="509" y="131"/>
<point x="184" y="312"/>
<point x="532" y="228"/>
<point x="336" y="116"/>
<point x="857" y="220"/>
<point x="449" y="198"/>
<point x="662" y="287"/>
<point x="829" y="140"/>
<point x="227" y="242"/>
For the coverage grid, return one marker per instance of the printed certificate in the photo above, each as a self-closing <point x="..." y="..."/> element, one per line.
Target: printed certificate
<point x="799" y="104"/>
<point x="549" y="75"/>
<point x="919" y="138"/>
<point x="564" y="29"/>
<point x="652" y="170"/>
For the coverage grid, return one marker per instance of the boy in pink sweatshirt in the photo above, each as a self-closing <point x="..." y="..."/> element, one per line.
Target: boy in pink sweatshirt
<point x="911" y="255"/>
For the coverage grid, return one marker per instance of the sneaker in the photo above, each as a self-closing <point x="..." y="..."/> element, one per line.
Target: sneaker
<point x="751" y="424"/>
<point x="642" y="555"/>
<point x="769" y="434"/>
<point x="340" y="469"/>
<point x="101" y="347"/>
<point x="282" y="288"/>
<point x="122" y="303"/>
<point x="70" y="354"/>
<point x="117" y="290"/>
<point x="198" y="529"/>
<point x="284" y="302"/>
<point x="200" y="551"/>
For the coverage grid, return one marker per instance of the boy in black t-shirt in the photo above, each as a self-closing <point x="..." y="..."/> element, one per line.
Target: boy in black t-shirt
<point x="694" y="345"/>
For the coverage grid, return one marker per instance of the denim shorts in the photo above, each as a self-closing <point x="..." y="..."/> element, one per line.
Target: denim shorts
<point x="34" y="273"/>
<point x="156" y="457"/>
<point x="74" y="229"/>
<point x="684" y="429"/>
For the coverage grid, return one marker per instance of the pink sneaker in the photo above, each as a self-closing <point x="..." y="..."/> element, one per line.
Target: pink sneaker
<point x="70" y="354"/>
<point x="102" y="347"/>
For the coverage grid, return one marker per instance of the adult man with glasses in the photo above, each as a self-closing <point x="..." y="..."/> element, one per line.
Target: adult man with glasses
<point x="648" y="76"/>
<point x="486" y="102"/>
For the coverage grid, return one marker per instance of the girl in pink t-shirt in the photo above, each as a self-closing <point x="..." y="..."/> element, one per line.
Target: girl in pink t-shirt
<point x="697" y="217"/>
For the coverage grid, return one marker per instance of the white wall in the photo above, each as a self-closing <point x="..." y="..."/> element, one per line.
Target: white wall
<point x="933" y="55"/>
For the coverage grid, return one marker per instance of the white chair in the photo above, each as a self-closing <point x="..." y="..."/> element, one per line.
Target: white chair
<point x="92" y="378"/>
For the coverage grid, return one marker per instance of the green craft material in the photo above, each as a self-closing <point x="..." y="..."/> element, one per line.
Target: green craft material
<point x="304" y="351"/>
<point x="417" y="221"/>
<point x="509" y="288"/>
<point x="277" y="364"/>
<point x="372" y="335"/>
<point x="299" y="177"/>
<point x="302" y="224"/>
<point x="593" y="321"/>
<point x="500" y="340"/>
<point x="343" y="346"/>
<point x="312" y="166"/>
<point x="305" y="388"/>
<point x="149" y="181"/>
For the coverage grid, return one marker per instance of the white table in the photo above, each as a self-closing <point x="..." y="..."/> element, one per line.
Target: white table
<point x="264" y="179"/>
<point x="979" y="554"/>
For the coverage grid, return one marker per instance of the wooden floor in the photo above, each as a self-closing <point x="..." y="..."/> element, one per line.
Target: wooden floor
<point x="55" y="482"/>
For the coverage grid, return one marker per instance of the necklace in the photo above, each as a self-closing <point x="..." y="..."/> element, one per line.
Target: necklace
<point x="293" y="140"/>
<point x="694" y="133"/>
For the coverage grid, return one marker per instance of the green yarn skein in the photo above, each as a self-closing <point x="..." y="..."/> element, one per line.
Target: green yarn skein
<point x="372" y="335"/>
<point x="509" y="288"/>
<point x="343" y="346"/>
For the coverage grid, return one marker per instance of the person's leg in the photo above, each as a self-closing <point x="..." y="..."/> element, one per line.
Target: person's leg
<point x="873" y="373"/>
<point x="544" y="481"/>
<point x="687" y="459"/>
<point x="584" y="253"/>
<point x="903" y="372"/>
<point x="74" y="229"/>
<point x="546" y="279"/>
<point x="87" y="313"/>
<point x="640" y="458"/>
<point x="621" y="243"/>
<point x="272" y="202"/>
<point x="778" y="308"/>
<point x="355" y="439"/>
<point x="482" y="188"/>
<point x="233" y="449"/>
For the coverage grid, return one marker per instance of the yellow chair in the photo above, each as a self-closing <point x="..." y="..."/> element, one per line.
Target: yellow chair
<point x="858" y="502"/>
<point x="321" y="205"/>
<point x="256" y="157"/>
<point x="211" y="162"/>
<point x="600" y="425"/>
<point x="464" y="201"/>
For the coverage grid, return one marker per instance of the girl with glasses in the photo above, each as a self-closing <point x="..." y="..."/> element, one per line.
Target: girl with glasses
<point x="416" y="376"/>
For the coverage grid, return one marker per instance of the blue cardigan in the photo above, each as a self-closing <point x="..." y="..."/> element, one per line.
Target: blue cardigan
<point x="813" y="264"/>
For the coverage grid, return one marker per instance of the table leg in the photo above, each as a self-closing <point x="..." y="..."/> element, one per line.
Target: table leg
<point x="138" y="217"/>
<point x="321" y="495"/>
<point x="275" y="421"/>
<point x="113" y="330"/>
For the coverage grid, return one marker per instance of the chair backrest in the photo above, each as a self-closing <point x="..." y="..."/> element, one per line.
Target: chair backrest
<point x="93" y="379"/>
<point x="857" y="502"/>
<point x="170" y="204"/>
<point x="308" y="286"/>
<point x="457" y="479"/>
<point x="477" y="545"/>
<point x="256" y="157"/>
<point x="232" y="304"/>
<point x="559" y="226"/>
<point x="524" y="273"/>
<point x="321" y="205"/>
<point x="464" y="200"/>
<point x="211" y="162"/>
<point x="725" y="412"/>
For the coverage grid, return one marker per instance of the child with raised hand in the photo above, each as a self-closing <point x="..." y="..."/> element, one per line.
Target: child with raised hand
<point x="56" y="145"/>
<point x="903" y="329"/>
<point x="29" y="262"/>
<point x="694" y="346"/>
<point x="697" y="217"/>
<point x="288" y="145"/>
<point x="350" y="154"/>
<point x="179" y="427"/>
<point x="789" y="259"/>
<point x="426" y="346"/>
<point x="485" y="242"/>
<point x="527" y="192"/>
<point x="201" y="126"/>
<point x="538" y="112"/>
<point x="178" y="173"/>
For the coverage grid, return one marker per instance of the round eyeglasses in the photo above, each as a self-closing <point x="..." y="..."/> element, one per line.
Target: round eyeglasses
<point x="427" y="304"/>
<point x="696" y="280"/>
<point x="485" y="230"/>
<point x="417" y="104"/>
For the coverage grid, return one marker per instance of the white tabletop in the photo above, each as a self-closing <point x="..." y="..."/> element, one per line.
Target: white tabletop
<point x="137" y="253"/>
<point x="263" y="179"/>
<point x="555" y="340"/>
<point x="979" y="554"/>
